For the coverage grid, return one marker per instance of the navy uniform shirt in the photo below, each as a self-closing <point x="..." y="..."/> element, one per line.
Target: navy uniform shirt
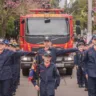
<point x="6" y="63"/>
<point x="79" y="58"/>
<point x="55" y="52"/>
<point x="90" y="59"/>
<point x="16" y="58"/>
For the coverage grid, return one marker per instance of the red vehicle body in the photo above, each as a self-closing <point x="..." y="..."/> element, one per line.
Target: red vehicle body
<point x="31" y="39"/>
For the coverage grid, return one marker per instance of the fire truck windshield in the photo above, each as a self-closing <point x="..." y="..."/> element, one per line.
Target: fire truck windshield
<point x="56" y="26"/>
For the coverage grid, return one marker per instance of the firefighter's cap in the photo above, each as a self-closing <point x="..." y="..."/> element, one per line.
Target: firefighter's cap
<point x="47" y="54"/>
<point x="80" y="44"/>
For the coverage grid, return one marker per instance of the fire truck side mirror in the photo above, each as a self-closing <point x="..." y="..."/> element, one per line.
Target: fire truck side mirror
<point x="78" y="29"/>
<point x="23" y="21"/>
<point x="77" y="22"/>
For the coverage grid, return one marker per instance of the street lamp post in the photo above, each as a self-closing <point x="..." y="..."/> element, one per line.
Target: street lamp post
<point x="89" y="34"/>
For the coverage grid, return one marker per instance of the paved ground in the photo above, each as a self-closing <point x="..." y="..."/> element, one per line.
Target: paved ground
<point x="68" y="87"/>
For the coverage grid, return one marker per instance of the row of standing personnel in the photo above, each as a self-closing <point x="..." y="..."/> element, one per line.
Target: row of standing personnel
<point x="10" y="68"/>
<point x="10" y="64"/>
<point x="85" y="60"/>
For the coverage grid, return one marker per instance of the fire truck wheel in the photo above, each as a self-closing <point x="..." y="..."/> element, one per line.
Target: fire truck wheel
<point x="69" y="71"/>
<point x="25" y="72"/>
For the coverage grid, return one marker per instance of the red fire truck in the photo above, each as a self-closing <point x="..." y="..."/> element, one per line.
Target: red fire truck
<point x="47" y="22"/>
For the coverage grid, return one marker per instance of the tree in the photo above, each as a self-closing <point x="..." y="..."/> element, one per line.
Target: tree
<point x="13" y="8"/>
<point x="10" y="25"/>
<point x="54" y="3"/>
<point x="7" y="9"/>
<point x="94" y="16"/>
<point x="79" y="12"/>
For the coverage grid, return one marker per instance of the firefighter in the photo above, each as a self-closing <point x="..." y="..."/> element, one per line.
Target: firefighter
<point x="49" y="76"/>
<point x="18" y="49"/>
<point x="85" y="76"/>
<point x="54" y="51"/>
<point x="78" y="61"/>
<point x="5" y="70"/>
<point x="15" y="69"/>
<point x="6" y="67"/>
<point x="90" y="59"/>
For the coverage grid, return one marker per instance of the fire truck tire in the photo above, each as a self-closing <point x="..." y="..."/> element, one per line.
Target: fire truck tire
<point x="25" y="72"/>
<point x="69" y="71"/>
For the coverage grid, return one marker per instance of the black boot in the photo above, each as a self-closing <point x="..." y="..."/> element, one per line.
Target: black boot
<point x="86" y="89"/>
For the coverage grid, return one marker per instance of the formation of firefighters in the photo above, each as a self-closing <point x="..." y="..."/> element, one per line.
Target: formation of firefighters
<point x="45" y="67"/>
<point x="10" y="66"/>
<point x="50" y="78"/>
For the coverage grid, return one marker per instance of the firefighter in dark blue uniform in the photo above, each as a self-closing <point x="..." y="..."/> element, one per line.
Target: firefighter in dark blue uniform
<point x="86" y="77"/>
<point x="6" y="69"/>
<point x="16" y="70"/>
<point x="18" y="65"/>
<point x="78" y="60"/>
<point x="49" y="76"/>
<point x="90" y="59"/>
<point x="54" y="51"/>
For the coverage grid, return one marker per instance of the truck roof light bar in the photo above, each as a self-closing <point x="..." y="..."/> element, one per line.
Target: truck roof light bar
<point x="47" y="10"/>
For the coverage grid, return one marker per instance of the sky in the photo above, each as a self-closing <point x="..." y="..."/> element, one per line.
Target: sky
<point x="62" y="3"/>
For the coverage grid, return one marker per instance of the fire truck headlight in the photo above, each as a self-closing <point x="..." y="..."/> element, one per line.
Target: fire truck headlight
<point x="24" y="58"/>
<point x="68" y="58"/>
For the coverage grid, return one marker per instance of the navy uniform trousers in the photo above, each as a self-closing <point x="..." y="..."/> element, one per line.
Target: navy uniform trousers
<point x="78" y="60"/>
<point x="92" y="86"/>
<point x="5" y="87"/>
<point x="80" y="76"/>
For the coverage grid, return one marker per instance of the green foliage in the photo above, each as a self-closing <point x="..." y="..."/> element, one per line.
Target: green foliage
<point x="79" y="11"/>
<point x="10" y="25"/>
<point x="54" y="3"/>
<point x="10" y="11"/>
<point x="0" y="29"/>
